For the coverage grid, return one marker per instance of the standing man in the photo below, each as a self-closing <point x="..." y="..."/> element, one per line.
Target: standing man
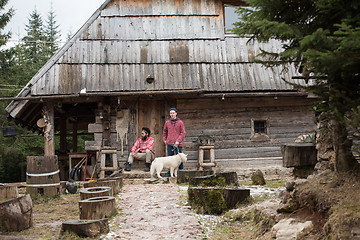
<point x="174" y="134"/>
<point x="143" y="149"/>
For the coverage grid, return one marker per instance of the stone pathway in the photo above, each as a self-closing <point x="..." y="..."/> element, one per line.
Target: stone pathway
<point x="153" y="211"/>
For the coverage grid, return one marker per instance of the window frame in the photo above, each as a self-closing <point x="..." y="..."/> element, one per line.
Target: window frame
<point x="260" y="136"/>
<point x="231" y="3"/>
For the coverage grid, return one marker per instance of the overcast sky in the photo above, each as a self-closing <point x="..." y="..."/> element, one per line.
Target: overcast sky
<point x="70" y="14"/>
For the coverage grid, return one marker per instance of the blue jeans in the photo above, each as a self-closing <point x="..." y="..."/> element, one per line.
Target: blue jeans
<point x="171" y="150"/>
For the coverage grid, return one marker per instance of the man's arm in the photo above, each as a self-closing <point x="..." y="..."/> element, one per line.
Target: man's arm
<point x="181" y="136"/>
<point x="165" y="132"/>
<point x="136" y="146"/>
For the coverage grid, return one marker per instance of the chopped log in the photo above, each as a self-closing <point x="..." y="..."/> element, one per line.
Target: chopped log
<point x="210" y="200"/>
<point x="219" y="179"/>
<point x="86" y="228"/>
<point x="115" y="183"/>
<point x="95" y="192"/>
<point x="97" y="208"/>
<point x="185" y="175"/>
<point x="16" y="214"/>
<point x="299" y="154"/>
<point x="8" y="192"/>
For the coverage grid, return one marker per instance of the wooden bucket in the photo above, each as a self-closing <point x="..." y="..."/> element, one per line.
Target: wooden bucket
<point x="115" y="183"/>
<point x="97" y="208"/>
<point x="42" y="176"/>
<point x="95" y="192"/>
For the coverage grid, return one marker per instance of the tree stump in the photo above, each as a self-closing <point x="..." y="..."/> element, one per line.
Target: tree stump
<point x="299" y="154"/>
<point x="97" y="208"/>
<point x="16" y="214"/>
<point x="210" y="200"/>
<point x="185" y="175"/>
<point x="86" y="228"/>
<point x="95" y="192"/>
<point x="8" y="192"/>
<point x="115" y="183"/>
<point x="219" y="179"/>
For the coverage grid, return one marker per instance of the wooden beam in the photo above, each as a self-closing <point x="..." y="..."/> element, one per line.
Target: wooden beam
<point x="75" y="138"/>
<point x="63" y="133"/>
<point x="49" y="143"/>
<point x="91" y="94"/>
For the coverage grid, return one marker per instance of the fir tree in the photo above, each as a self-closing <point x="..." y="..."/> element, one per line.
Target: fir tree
<point x="52" y="34"/>
<point x="35" y="39"/>
<point x="5" y="54"/>
<point x="322" y="38"/>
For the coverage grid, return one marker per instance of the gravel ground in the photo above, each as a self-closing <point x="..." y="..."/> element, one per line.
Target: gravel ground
<point x="153" y="211"/>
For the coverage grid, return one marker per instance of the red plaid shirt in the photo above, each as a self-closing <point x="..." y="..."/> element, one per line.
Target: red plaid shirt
<point x="143" y="145"/>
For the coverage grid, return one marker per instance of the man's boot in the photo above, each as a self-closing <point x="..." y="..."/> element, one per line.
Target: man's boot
<point x="127" y="166"/>
<point x="147" y="167"/>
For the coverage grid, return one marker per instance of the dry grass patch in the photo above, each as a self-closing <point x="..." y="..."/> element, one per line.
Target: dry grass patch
<point x="48" y="216"/>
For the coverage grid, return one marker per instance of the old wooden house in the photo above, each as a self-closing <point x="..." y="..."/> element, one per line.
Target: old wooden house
<point x="134" y="59"/>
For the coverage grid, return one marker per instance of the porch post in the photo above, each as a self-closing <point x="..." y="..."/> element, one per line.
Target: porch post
<point x="49" y="143"/>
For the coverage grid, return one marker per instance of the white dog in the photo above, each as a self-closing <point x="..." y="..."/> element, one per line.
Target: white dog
<point x="172" y="162"/>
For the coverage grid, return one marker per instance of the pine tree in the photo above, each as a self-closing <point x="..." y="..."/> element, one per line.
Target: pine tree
<point x="322" y="38"/>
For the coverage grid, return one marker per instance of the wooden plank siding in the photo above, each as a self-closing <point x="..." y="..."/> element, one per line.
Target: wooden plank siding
<point x="182" y="46"/>
<point x="132" y="77"/>
<point x="229" y="123"/>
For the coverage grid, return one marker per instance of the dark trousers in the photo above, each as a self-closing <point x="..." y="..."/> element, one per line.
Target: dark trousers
<point x="171" y="150"/>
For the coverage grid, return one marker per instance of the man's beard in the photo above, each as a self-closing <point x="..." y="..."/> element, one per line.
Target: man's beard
<point x="144" y="138"/>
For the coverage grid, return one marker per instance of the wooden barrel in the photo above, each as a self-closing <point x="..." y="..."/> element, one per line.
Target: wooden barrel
<point x="97" y="208"/>
<point x="95" y="192"/>
<point x="42" y="176"/>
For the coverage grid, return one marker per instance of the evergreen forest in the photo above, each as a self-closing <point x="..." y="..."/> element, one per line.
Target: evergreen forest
<point x="18" y="64"/>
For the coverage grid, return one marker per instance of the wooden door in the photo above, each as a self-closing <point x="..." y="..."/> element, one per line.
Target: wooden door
<point x="151" y="115"/>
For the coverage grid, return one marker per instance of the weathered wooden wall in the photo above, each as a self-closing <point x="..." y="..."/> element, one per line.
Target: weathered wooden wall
<point x="182" y="44"/>
<point x="229" y="123"/>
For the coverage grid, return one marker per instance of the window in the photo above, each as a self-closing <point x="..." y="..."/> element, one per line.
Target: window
<point x="230" y="16"/>
<point x="260" y="127"/>
<point x="259" y="130"/>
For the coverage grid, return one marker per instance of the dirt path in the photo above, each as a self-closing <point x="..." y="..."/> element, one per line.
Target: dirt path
<point x="153" y="211"/>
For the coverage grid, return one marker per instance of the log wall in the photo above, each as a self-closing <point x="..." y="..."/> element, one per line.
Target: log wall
<point x="229" y="122"/>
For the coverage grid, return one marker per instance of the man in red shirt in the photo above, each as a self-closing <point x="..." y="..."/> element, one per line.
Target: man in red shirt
<point x="143" y="149"/>
<point x="174" y="135"/>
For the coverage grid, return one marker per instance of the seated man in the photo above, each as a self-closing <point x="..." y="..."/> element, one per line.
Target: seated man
<point x="143" y="149"/>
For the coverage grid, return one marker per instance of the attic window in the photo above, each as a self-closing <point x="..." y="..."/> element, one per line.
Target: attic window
<point x="230" y="15"/>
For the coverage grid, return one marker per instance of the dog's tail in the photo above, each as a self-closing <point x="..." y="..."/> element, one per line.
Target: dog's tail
<point x="152" y="170"/>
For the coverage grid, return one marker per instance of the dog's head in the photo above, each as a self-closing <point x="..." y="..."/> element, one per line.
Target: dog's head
<point x="183" y="157"/>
